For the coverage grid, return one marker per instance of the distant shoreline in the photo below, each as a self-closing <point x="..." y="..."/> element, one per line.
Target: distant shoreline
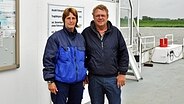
<point x="168" y="23"/>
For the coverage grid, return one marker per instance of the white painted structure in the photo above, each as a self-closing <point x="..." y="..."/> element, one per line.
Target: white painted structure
<point x="167" y="54"/>
<point x="25" y="85"/>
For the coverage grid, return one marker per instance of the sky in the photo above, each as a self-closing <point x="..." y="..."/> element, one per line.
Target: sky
<point x="172" y="9"/>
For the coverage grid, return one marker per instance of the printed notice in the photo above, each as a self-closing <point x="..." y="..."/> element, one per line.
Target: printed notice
<point x="7" y="15"/>
<point x="55" y="18"/>
<point x="1" y="38"/>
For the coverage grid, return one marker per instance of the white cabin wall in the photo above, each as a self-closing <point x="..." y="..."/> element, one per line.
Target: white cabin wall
<point x="25" y="85"/>
<point x="20" y="86"/>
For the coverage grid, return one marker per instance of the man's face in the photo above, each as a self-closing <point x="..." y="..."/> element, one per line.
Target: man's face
<point x="100" y="17"/>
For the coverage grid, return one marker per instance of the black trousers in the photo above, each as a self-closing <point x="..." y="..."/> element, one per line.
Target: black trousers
<point x="68" y="93"/>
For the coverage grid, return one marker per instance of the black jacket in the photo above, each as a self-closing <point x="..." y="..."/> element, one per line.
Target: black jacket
<point x="106" y="57"/>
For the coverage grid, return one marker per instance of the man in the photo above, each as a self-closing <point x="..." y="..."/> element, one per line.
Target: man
<point x="107" y="58"/>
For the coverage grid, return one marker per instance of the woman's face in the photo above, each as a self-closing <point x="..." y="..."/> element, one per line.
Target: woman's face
<point x="70" y="22"/>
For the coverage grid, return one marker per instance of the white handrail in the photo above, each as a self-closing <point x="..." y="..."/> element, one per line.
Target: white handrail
<point x="170" y="38"/>
<point x="148" y="42"/>
<point x="183" y="48"/>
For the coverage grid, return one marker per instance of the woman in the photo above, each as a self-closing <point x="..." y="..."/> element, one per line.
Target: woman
<point x="63" y="61"/>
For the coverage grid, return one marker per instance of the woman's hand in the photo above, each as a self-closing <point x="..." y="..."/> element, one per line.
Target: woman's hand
<point x="52" y="87"/>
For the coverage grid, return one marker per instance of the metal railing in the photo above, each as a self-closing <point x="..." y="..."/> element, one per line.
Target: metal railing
<point x="148" y="43"/>
<point x="170" y="38"/>
<point x="183" y="48"/>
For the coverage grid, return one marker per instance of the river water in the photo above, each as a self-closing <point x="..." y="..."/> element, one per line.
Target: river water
<point x="160" y="32"/>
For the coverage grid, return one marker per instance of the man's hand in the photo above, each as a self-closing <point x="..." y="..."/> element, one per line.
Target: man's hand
<point x="121" y="80"/>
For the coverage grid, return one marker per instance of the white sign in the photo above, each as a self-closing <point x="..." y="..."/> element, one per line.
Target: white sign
<point x="55" y="18"/>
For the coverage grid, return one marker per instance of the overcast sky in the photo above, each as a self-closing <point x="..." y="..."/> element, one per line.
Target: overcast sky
<point x="162" y="8"/>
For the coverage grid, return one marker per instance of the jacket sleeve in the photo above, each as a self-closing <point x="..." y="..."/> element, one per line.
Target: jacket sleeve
<point x="49" y="59"/>
<point x="123" y="57"/>
<point x="86" y="59"/>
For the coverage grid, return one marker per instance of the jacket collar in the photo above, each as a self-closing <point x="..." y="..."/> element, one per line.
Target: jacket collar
<point x="71" y="35"/>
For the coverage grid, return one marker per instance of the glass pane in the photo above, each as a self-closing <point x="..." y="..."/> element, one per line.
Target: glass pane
<point x="124" y="18"/>
<point x="9" y="34"/>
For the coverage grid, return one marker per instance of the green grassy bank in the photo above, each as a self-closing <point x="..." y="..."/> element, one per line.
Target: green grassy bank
<point x="161" y="23"/>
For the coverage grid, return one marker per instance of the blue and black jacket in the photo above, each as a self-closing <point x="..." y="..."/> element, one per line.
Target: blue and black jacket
<point x="64" y="57"/>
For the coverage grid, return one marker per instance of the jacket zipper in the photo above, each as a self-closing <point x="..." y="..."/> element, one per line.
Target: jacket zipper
<point x="101" y="38"/>
<point x="75" y="63"/>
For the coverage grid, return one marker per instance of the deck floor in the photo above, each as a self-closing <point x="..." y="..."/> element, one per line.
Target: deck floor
<point x="161" y="84"/>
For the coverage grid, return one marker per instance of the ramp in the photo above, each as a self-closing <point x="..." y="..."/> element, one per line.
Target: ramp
<point x="133" y="69"/>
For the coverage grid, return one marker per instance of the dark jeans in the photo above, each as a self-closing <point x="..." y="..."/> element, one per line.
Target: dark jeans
<point x="68" y="93"/>
<point x="99" y="86"/>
